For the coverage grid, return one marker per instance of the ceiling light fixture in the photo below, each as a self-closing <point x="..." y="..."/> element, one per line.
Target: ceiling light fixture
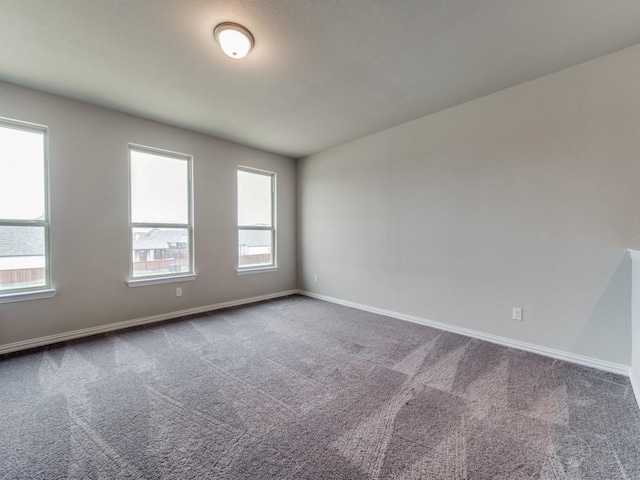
<point x="234" y="39"/>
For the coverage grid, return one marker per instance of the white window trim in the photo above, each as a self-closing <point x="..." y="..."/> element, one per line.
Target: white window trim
<point x="252" y="270"/>
<point x="150" y="280"/>
<point x="273" y="266"/>
<point x="22" y="296"/>
<point x="160" y="278"/>
<point x="46" y="290"/>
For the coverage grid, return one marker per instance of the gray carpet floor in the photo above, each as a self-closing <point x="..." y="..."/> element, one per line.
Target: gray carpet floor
<point x="296" y="388"/>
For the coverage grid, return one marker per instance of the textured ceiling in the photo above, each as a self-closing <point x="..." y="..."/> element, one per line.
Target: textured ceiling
<point x="322" y="72"/>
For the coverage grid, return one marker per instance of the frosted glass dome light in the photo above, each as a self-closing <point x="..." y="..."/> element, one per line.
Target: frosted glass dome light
<point x="235" y="40"/>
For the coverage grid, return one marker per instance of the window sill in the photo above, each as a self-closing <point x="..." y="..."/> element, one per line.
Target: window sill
<point x="24" y="296"/>
<point x="252" y="270"/>
<point x="143" y="282"/>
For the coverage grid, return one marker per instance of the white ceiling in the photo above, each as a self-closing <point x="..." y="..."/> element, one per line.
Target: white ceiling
<point x="322" y="72"/>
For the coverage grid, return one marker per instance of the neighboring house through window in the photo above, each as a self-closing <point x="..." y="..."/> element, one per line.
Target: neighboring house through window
<point x="24" y="210"/>
<point x="161" y="214"/>
<point x="256" y="219"/>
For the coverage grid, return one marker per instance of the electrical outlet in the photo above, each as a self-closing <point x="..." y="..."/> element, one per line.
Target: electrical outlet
<point x="517" y="314"/>
<point x="178" y="291"/>
<point x="315" y="279"/>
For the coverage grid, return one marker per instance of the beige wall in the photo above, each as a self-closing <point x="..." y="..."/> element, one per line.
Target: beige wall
<point x="89" y="232"/>
<point x="528" y="197"/>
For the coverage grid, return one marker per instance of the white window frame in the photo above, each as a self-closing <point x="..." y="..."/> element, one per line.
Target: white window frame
<point x="46" y="290"/>
<point x="273" y="266"/>
<point x="159" y="278"/>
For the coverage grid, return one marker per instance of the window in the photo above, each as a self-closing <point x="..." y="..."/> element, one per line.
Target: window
<point x="161" y="216"/>
<point x="24" y="212"/>
<point x="256" y="220"/>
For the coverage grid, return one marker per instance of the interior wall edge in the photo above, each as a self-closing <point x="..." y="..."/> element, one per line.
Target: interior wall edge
<point x="635" y="386"/>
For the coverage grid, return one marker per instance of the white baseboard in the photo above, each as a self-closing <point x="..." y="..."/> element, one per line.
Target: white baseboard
<point x="549" y="352"/>
<point x="507" y="342"/>
<point x="85" y="332"/>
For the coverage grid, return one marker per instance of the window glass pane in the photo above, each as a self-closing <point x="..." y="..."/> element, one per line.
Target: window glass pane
<point x="255" y="247"/>
<point x="159" y="189"/>
<point x="254" y="199"/>
<point x="22" y="257"/>
<point x="160" y="250"/>
<point x="21" y="174"/>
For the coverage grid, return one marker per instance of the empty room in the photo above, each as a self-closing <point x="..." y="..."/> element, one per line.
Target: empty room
<point x="320" y="239"/>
